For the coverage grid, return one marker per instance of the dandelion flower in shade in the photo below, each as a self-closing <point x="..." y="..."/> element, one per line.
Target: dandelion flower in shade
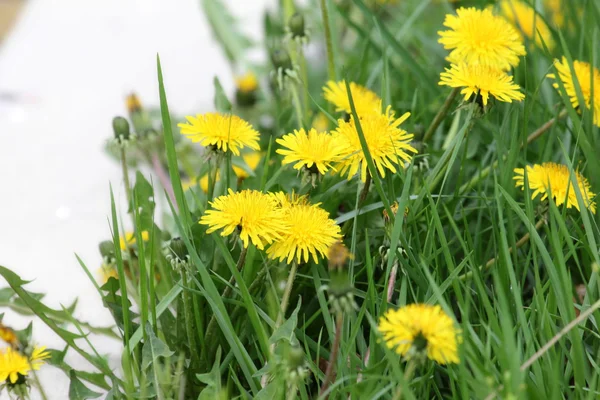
<point x="13" y="363"/>
<point x="255" y="215"/>
<point x="388" y="144"/>
<point x="482" y="80"/>
<point x="314" y="150"/>
<point x="246" y="83"/>
<point x="421" y="329"/>
<point x="480" y="37"/>
<point x="365" y="100"/>
<point x="130" y="239"/>
<point x="252" y="160"/>
<point x="527" y="21"/>
<point x="555" y="179"/>
<point x="310" y="232"/>
<point x="320" y="123"/>
<point x="223" y="131"/>
<point x="586" y="77"/>
<point x="106" y="272"/>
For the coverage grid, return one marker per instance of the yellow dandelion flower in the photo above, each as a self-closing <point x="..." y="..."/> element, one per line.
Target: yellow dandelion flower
<point x="482" y="80"/>
<point x="583" y="73"/>
<point x="309" y="231"/>
<point x="338" y="255"/>
<point x="223" y="131"/>
<point x="107" y="271"/>
<point x="387" y="143"/>
<point x="255" y="215"/>
<point x="8" y="335"/>
<point x="314" y="150"/>
<point x="527" y="21"/>
<point x="130" y="239"/>
<point x="551" y="178"/>
<point x="133" y="103"/>
<point x="13" y="363"/>
<point x="320" y="123"/>
<point x="246" y="83"/>
<point x="480" y="37"/>
<point x="420" y="328"/>
<point x="365" y="100"/>
<point x="251" y="159"/>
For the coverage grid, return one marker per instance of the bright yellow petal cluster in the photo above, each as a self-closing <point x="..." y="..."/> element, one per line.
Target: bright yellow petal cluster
<point x="255" y="215"/>
<point x="316" y="151"/>
<point x="252" y="159"/>
<point x="246" y="83"/>
<point x="483" y="80"/>
<point x="527" y="21"/>
<point x="13" y="363"/>
<point x="387" y="142"/>
<point x="130" y="239"/>
<point x="223" y="131"/>
<point x="365" y="101"/>
<point x="418" y="328"/>
<point x="583" y="73"/>
<point x="309" y="232"/>
<point x="551" y="178"/>
<point x="480" y="37"/>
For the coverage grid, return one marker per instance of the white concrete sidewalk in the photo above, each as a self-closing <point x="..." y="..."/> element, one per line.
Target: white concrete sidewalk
<point x="64" y="72"/>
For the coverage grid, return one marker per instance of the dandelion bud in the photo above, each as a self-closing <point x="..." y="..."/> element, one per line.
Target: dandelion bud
<point x="341" y="293"/>
<point x="107" y="249"/>
<point x="121" y="128"/>
<point x="296" y="25"/>
<point x="295" y="362"/>
<point x="179" y="249"/>
<point x="246" y="86"/>
<point x="281" y="59"/>
<point x="133" y="104"/>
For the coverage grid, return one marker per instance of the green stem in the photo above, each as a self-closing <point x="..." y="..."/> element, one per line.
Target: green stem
<point x="39" y="385"/>
<point x="408" y="375"/>
<point x="285" y="299"/>
<point x="187" y="307"/>
<point x="361" y="199"/>
<point x="335" y="347"/>
<point x="212" y="324"/>
<point x="440" y="115"/>
<point x="212" y="179"/>
<point x="126" y="177"/>
<point x="328" y="41"/>
<point x="291" y="394"/>
<point x="297" y="105"/>
<point x="304" y="77"/>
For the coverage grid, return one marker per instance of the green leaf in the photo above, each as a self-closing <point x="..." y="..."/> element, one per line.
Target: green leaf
<point x="144" y="194"/>
<point x="153" y="349"/>
<point x="78" y="391"/>
<point x="222" y="103"/>
<point x="286" y="330"/>
<point x="212" y="380"/>
<point x="224" y="28"/>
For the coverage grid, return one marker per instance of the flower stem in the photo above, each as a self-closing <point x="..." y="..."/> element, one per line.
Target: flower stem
<point x="187" y="307"/>
<point x="212" y="180"/>
<point x="533" y="136"/>
<point x="524" y="239"/>
<point x="285" y="299"/>
<point x="39" y="385"/>
<point x="212" y="324"/>
<point x="408" y="375"/>
<point x="126" y="177"/>
<point x="328" y="41"/>
<point x="163" y="178"/>
<point x="335" y="347"/>
<point x="440" y="115"/>
<point x="361" y="199"/>
<point x="297" y="105"/>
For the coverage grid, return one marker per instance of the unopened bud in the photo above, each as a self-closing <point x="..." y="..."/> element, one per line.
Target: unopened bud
<point x="296" y="25"/>
<point x="281" y="59"/>
<point x="121" y="128"/>
<point x="179" y="249"/>
<point x="107" y="249"/>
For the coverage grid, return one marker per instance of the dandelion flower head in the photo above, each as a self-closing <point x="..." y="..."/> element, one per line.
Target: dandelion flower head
<point x="482" y="80"/>
<point x="310" y="232"/>
<point x="554" y="179"/>
<point x="480" y="37"/>
<point x="246" y="83"/>
<point x="313" y="150"/>
<point x="527" y="21"/>
<point x="586" y="76"/>
<point x="223" y="131"/>
<point x="388" y="144"/>
<point x="365" y="100"/>
<point x="421" y="328"/>
<point x="255" y="215"/>
<point x="13" y="363"/>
